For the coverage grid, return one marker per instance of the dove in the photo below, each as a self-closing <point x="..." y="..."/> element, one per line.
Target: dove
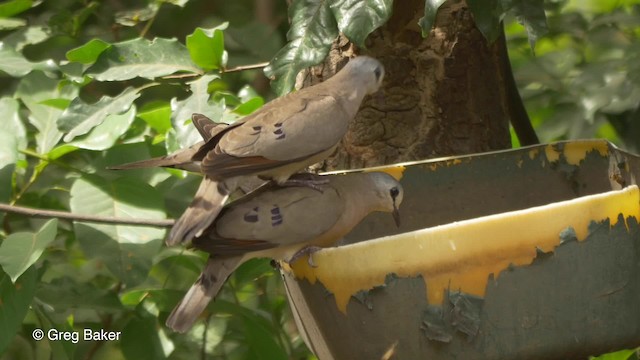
<point x="283" y="223"/>
<point x="280" y="139"/>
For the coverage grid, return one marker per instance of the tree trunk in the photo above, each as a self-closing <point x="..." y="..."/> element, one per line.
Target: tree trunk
<point x="442" y="95"/>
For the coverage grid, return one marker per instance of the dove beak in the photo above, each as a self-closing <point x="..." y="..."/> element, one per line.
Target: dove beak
<point x="396" y="216"/>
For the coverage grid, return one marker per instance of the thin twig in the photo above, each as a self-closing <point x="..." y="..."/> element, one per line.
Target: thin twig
<point x="245" y="67"/>
<point x="85" y="218"/>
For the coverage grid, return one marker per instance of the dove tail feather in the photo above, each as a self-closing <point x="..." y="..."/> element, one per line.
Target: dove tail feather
<point x="204" y="208"/>
<point x="214" y="275"/>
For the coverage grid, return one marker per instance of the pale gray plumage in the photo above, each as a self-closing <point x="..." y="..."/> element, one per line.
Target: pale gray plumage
<point x="278" y="222"/>
<point x="283" y="137"/>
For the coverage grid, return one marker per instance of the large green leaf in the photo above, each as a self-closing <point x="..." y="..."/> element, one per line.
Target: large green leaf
<point x="79" y="118"/>
<point x="106" y="133"/>
<point x="12" y="138"/>
<point x="358" y="18"/>
<point x="16" y="299"/>
<point x="33" y="90"/>
<point x="142" y="58"/>
<point x="430" y="10"/>
<point x="21" y="250"/>
<point x="14" y="7"/>
<point x="26" y="36"/>
<point x="14" y="64"/>
<point x="126" y="250"/>
<point x="89" y="52"/>
<point x="313" y="29"/>
<point x="206" y="47"/>
<point x="198" y="102"/>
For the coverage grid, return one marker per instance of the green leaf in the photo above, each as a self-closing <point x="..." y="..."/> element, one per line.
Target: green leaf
<point x="16" y="65"/>
<point x="106" y="134"/>
<point x="487" y="14"/>
<point x="430" y="11"/>
<point x="138" y="342"/>
<point x="14" y="7"/>
<point x="26" y="36"/>
<point x="21" y="250"/>
<point x="79" y="118"/>
<point x="126" y="250"/>
<point x="249" y="106"/>
<point x="89" y="52"/>
<point x="618" y="355"/>
<point x="65" y="293"/>
<point x="157" y="117"/>
<point x="530" y="13"/>
<point x="142" y="58"/>
<point x="35" y="88"/>
<point x="313" y="29"/>
<point x="206" y="47"/>
<point x="59" y="104"/>
<point x="358" y="18"/>
<point x="16" y="299"/>
<point x="11" y="23"/>
<point x="13" y="136"/>
<point x="198" y="102"/>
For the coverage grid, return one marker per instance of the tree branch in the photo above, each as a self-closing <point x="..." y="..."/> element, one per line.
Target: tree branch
<point x="245" y="67"/>
<point x="86" y="218"/>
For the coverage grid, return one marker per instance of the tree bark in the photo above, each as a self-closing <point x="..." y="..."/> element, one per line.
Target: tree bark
<point x="442" y="95"/>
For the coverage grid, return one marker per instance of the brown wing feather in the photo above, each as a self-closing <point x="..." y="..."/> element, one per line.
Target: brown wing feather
<point x="223" y="166"/>
<point x="230" y="247"/>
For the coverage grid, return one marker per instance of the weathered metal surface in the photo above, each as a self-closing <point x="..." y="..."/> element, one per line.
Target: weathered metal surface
<point x="578" y="301"/>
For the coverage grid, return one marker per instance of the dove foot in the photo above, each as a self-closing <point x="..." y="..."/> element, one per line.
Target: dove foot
<point x="307" y="250"/>
<point x="309" y="180"/>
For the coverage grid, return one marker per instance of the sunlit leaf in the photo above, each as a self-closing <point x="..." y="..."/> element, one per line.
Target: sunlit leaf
<point x="11" y="23"/>
<point x="206" y="47"/>
<point x="21" y="250"/>
<point x="126" y="250"/>
<point x="14" y="64"/>
<point x="313" y="29"/>
<point x="26" y="36"/>
<point x="12" y="138"/>
<point x="32" y="90"/>
<point x="198" y="102"/>
<point x="79" y="118"/>
<point x="142" y="58"/>
<point x="106" y="133"/>
<point x="158" y="117"/>
<point x="89" y="52"/>
<point x="358" y="18"/>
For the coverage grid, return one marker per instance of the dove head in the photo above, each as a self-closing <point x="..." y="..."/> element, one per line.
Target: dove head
<point x="388" y="193"/>
<point x="367" y="71"/>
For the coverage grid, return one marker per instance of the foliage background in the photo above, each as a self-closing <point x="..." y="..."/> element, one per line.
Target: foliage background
<point x="73" y="105"/>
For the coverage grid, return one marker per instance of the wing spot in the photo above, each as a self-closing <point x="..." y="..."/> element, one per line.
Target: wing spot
<point x="252" y="216"/>
<point x="276" y="216"/>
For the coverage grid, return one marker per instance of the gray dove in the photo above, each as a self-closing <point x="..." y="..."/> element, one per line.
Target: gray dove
<point x="283" y="223"/>
<point x="283" y="137"/>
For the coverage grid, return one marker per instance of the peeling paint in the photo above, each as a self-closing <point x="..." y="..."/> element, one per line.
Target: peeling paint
<point x="464" y="254"/>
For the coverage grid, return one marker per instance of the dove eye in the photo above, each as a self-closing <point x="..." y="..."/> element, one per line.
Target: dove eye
<point x="378" y="73"/>
<point x="394" y="192"/>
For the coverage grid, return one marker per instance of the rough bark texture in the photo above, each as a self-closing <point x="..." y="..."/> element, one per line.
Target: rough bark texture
<point x="442" y="95"/>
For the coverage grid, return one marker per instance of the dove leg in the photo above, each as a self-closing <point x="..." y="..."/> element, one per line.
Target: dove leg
<point x="307" y="250"/>
<point x="309" y="180"/>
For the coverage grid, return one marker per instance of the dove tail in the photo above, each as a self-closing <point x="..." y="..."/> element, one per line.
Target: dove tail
<point x="164" y="161"/>
<point x="214" y="275"/>
<point x="204" y="208"/>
